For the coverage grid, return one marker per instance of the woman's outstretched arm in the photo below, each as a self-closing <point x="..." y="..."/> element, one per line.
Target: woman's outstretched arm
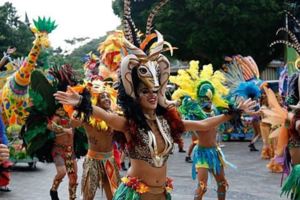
<point x="72" y="98"/>
<point x="213" y="122"/>
<point x="206" y="124"/>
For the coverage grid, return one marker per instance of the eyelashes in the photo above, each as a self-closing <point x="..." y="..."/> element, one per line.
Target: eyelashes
<point x="147" y="91"/>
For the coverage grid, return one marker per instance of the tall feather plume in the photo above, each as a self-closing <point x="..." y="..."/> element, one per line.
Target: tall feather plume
<point x="293" y="17"/>
<point x="129" y="26"/>
<point x="153" y="14"/>
<point x="291" y="34"/>
<point x="127" y="13"/>
<point x="297" y="48"/>
<point x="233" y="74"/>
<point x="294" y="43"/>
<point x="191" y="79"/>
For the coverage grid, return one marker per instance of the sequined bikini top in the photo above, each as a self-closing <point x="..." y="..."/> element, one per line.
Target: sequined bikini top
<point x="147" y="150"/>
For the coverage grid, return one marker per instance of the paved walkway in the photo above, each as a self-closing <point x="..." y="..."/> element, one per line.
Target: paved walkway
<point x="251" y="181"/>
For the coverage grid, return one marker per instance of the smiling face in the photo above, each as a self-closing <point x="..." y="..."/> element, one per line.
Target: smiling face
<point x="104" y="101"/>
<point x="147" y="97"/>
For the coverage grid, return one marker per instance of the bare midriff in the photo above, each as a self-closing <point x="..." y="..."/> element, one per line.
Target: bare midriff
<point x="151" y="176"/>
<point x="208" y="139"/>
<point x="295" y="152"/>
<point x="65" y="138"/>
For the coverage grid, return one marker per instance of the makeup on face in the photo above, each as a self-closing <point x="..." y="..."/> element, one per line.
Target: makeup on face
<point x="147" y="91"/>
<point x="104" y="100"/>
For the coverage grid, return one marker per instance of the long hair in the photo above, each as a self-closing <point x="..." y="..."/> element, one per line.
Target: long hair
<point x="136" y="119"/>
<point x="131" y="107"/>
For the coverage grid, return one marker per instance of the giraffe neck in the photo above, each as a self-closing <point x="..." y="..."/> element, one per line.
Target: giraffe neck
<point x="23" y="74"/>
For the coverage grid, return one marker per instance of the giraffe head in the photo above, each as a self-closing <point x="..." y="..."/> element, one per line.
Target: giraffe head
<point x="41" y="30"/>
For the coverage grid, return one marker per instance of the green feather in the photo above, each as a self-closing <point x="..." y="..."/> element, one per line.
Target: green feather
<point x="40" y="85"/>
<point x="44" y="25"/>
<point x="291" y="186"/>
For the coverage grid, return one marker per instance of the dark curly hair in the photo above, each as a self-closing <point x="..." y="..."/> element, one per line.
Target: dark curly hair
<point x="136" y="119"/>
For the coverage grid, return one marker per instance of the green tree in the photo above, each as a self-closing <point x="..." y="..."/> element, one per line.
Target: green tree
<point x="209" y="30"/>
<point x="14" y="32"/>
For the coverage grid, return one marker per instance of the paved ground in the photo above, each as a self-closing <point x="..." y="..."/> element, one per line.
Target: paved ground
<point x="251" y="181"/>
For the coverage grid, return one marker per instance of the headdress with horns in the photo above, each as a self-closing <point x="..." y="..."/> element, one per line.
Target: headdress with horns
<point x="153" y="69"/>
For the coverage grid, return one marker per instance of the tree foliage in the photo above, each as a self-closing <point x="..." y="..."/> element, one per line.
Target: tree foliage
<point x="209" y="30"/>
<point x="14" y="32"/>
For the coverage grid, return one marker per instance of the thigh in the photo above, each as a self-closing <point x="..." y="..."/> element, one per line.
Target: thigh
<point x="202" y="174"/>
<point x="220" y="176"/>
<point x="295" y="155"/>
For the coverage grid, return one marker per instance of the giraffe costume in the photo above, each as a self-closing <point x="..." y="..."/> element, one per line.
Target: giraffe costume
<point x="15" y="98"/>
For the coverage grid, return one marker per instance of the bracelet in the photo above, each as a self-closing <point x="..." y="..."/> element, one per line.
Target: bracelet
<point x="287" y="123"/>
<point x="84" y="107"/>
<point x="80" y="101"/>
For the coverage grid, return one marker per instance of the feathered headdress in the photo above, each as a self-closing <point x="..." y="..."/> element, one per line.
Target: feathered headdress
<point x="193" y="83"/>
<point x="112" y="50"/>
<point x="91" y="66"/>
<point x="293" y="40"/>
<point x="242" y="77"/>
<point x="153" y="68"/>
<point x="247" y="90"/>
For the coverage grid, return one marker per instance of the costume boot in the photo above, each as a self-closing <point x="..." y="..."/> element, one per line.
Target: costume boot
<point x="72" y="192"/>
<point x="188" y="159"/>
<point x="53" y="190"/>
<point x="252" y="147"/>
<point x="54" y="195"/>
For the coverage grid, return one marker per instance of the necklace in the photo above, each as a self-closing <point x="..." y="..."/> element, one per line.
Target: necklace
<point x="151" y="118"/>
<point x="159" y="158"/>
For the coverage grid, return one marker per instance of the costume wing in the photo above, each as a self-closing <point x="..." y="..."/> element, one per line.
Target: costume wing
<point x="37" y="137"/>
<point x="275" y="114"/>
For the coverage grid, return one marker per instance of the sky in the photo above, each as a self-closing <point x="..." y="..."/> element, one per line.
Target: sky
<point x="75" y="18"/>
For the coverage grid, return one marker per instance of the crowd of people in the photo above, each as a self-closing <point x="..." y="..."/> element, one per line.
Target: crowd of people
<point x="120" y="109"/>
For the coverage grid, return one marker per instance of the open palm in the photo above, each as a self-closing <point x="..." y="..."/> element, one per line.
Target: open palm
<point x="247" y="105"/>
<point x="68" y="98"/>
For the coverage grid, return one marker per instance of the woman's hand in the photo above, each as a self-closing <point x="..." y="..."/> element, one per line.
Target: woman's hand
<point x="11" y="50"/>
<point x="68" y="98"/>
<point x="4" y="153"/>
<point x="247" y="106"/>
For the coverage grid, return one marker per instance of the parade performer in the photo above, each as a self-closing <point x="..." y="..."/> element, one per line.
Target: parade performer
<point x="150" y="125"/>
<point x="6" y="58"/>
<point x="281" y="134"/>
<point x="8" y="65"/>
<point x="48" y="128"/>
<point x="99" y="168"/>
<point x="205" y="90"/>
<point x="268" y="144"/>
<point x="291" y="140"/>
<point x="242" y="78"/>
<point x="15" y="97"/>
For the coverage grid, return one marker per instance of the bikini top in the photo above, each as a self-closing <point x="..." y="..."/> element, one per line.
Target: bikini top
<point x="147" y="149"/>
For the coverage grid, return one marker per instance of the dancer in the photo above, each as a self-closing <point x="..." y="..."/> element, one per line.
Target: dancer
<point x="99" y="168"/>
<point x="267" y="149"/>
<point x="148" y="122"/>
<point x="63" y="153"/>
<point x="291" y="123"/>
<point x="207" y="89"/>
<point x="48" y="128"/>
